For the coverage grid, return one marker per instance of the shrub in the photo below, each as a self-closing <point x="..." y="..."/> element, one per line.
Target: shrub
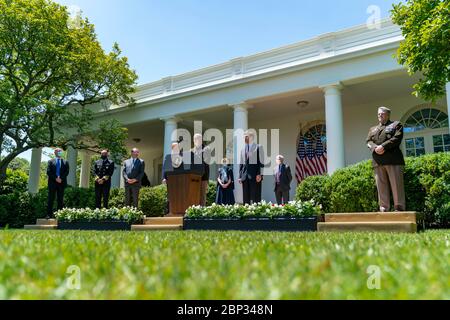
<point x="117" y="198"/>
<point x="127" y="214"/>
<point x="153" y="201"/>
<point x="294" y="209"/>
<point x="211" y="194"/>
<point x="317" y="189"/>
<point x="16" y="181"/>
<point x="353" y="189"/>
<point x="18" y="209"/>
<point x="79" y="198"/>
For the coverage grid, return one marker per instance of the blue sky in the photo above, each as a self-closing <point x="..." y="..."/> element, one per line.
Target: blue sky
<point x="169" y="37"/>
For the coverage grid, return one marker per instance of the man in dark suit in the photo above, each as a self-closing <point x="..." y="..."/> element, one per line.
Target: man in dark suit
<point x="133" y="171"/>
<point x="103" y="171"/>
<point x="283" y="179"/>
<point x="202" y="157"/>
<point x="251" y="162"/>
<point x="57" y="172"/>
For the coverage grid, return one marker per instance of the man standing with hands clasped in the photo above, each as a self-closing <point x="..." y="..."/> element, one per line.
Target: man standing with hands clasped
<point x="57" y="172"/>
<point x="250" y="167"/>
<point x="384" y="141"/>
<point x="133" y="172"/>
<point x="103" y="171"/>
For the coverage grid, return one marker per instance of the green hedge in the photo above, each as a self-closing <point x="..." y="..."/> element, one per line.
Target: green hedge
<point x="16" y="181"/>
<point x="353" y="189"/>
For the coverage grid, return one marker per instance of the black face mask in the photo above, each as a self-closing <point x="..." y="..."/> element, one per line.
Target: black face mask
<point x="104" y="157"/>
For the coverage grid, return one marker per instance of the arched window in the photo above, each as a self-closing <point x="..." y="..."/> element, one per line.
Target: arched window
<point x="426" y="131"/>
<point x="311" y="152"/>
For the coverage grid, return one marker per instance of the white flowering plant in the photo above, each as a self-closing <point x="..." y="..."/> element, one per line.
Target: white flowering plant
<point x="126" y="214"/>
<point x="263" y="210"/>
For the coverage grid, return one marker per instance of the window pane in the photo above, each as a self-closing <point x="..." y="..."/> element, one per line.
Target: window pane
<point x="426" y="118"/>
<point x="438" y="149"/>
<point x="442" y="117"/>
<point x="410" y="153"/>
<point x="420" y="142"/>
<point x="447" y="148"/>
<point x="409" y="143"/>
<point x="434" y="113"/>
<point x="437" y="141"/>
<point x="420" y="152"/>
<point x="446" y="139"/>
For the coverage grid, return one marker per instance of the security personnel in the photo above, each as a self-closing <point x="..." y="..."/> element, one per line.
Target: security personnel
<point x="384" y="141"/>
<point x="103" y="171"/>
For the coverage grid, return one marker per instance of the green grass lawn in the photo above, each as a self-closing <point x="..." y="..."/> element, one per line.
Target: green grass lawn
<point x="230" y="265"/>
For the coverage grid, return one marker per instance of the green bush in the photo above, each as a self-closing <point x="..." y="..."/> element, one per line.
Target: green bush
<point x="317" y="189"/>
<point x="79" y="198"/>
<point x="18" y="209"/>
<point x="16" y="181"/>
<point x="153" y="201"/>
<point x="117" y="198"/>
<point x="211" y="194"/>
<point x="353" y="189"/>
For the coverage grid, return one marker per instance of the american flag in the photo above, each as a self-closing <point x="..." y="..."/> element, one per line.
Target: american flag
<point x="311" y="157"/>
<point x="300" y="171"/>
<point x="321" y="156"/>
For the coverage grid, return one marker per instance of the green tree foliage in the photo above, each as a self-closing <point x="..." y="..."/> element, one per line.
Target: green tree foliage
<point x="426" y="27"/>
<point x="54" y="75"/>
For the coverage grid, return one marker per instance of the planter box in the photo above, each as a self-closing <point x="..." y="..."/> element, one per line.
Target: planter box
<point x="280" y="224"/>
<point x="95" y="226"/>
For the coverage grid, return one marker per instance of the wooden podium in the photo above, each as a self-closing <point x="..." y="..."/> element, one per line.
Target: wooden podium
<point x="183" y="192"/>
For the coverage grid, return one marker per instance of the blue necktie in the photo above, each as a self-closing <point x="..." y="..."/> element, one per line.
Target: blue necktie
<point x="58" y="168"/>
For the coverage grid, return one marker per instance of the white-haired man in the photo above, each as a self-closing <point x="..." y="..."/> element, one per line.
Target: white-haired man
<point x="384" y="141"/>
<point x="283" y="179"/>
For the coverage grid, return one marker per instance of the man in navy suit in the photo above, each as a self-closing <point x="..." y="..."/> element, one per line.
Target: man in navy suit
<point x="133" y="172"/>
<point x="283" y="179"/>
<point x="57" y="172"/>
<point x="250" y="168"/>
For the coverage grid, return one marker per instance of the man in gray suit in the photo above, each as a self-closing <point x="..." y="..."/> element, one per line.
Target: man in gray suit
<point x="133" y="172"/>
<point x="283" y="179"/>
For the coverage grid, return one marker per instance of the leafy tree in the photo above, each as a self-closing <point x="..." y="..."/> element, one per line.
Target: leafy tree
<point x="20" y="164"/>
<point x="426" y="27"/>
<point x="54" y="75"/>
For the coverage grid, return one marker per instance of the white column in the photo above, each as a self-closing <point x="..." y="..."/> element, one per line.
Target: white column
<point x="115" y="180"/>
<point x="35" y="171"/>
<point x="85" y="169"/>
<point x="171" y="125"/>
<point x="448" y="100"/>
<point x="335" y="127"/>
<point x="240" y="125"/>
<point x="72" y="156"/>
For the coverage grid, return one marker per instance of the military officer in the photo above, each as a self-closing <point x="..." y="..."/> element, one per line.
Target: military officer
<point x="384" y="141"/>
<point x="103" y="171"/>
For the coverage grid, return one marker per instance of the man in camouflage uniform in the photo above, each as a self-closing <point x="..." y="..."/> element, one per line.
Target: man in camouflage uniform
<point x="384" y="141"/>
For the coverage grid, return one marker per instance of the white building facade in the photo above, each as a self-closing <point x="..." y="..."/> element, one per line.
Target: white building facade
<point x="340" y="80"/>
